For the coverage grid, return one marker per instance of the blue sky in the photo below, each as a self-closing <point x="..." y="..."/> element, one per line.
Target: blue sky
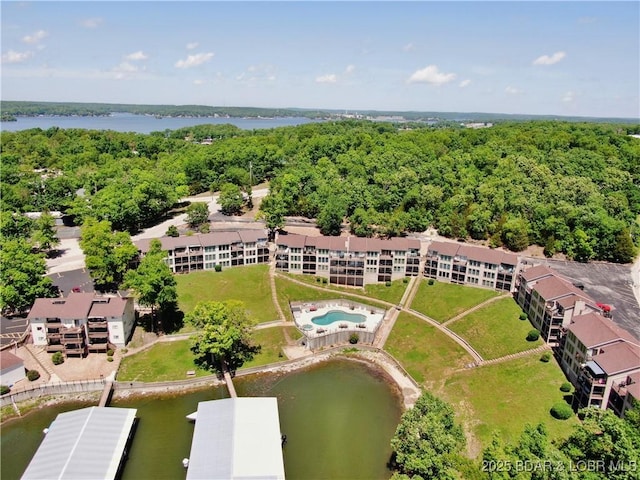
<point x="561" y="58"/>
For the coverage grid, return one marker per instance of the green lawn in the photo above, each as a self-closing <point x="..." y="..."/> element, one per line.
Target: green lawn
<point x="506" y="396"/>
<point x="442" y="301"/>
<point x="495" y="330"/>
<point x="427" y="354"/>
<point x="163" y="361"/>
<point x="271" y="341"/>
<point x="250" y="284"/>
<point x="171" y="360"/>
<point x="289" y="291"/>
<point x="392" y="294"/>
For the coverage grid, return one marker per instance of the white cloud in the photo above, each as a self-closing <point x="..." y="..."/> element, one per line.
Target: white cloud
<point x="16" y="57"/>
<point x="512" y="90"/>
<point x="549" y="60"/>
<point x="409" y="47"/>
<point x="569" y="97"/>
<point x="350" y="69"/>
<point x="328" y="78"/>
<point x="192" y="45"/>
<point x="139" y="55"/>
<point x="91" y="22"/>
<point x="194" y="60"/>
<point x="257" y="74"/>
<point x="35" y="38"/>
<point x="432" y="75"/>
<point x="198" y="82"/>
<point x="465" y="83"/>
<point x="125" y="70"/>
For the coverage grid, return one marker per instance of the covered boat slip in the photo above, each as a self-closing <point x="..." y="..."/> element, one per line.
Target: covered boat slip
<point x="83" y="444"/>
<point x="237" y="438"/>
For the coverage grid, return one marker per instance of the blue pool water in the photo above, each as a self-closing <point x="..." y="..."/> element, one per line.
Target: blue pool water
<point x="338" y="316"/>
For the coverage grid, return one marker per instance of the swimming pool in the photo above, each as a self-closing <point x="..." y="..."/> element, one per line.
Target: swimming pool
<point x="338" y="316"/>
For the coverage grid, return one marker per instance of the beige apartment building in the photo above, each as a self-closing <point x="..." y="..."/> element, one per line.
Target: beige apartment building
<point x="206" y="250"/>
<point x="470" y="265"/>
<point x="81" y="323"/>
<point x="352" y="261"/>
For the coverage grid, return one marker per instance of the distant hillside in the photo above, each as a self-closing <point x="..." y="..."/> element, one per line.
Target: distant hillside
<point x="11" y="109"/>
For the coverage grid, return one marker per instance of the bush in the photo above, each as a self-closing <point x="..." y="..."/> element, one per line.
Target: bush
<point x="524" y="316"/>
<point x="546" y="356"/>
<point x="33" y="375"/>
<point x="405" y="280"/>
<point x="561" y="411"/>
<point x="324" y="280"/>
<point x="218" y="268"/>
<point x="109" y="359"/>
<point x="387" y="283"/>
<point x="431" y="281"/>
<point x="533" y="335"/>
<point x="565" y="387"/>
<point x="353" y="338"/>
<point x="4" y="389"/>
<point x="124" y="350"/>
<point x="110" y="352"/>
<point x="57" y="358"/>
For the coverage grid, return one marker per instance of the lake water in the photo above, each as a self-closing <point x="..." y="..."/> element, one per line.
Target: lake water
<point x="339" y="417"/>
<point x="128" y="122"/>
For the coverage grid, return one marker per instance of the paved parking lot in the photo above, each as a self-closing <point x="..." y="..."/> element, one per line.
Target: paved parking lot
<point x="608" y="283"/>
<point x="12" y="329"/>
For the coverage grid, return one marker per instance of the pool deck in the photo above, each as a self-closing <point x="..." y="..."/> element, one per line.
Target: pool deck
<point x="303" y="313"/>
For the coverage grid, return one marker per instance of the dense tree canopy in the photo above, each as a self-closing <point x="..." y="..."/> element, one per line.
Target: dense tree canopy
<point x="108" y="254"/>
<point x="22" y="277"/>
<point x="573" y="188"/>
<point x="153" y="282"/>
<point x="224" y="339"/>
<point x="427" y="440"/>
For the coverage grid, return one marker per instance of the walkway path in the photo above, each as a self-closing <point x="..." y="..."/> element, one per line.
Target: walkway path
<point x="477" y="307"/>
<point x="541" y="349"/>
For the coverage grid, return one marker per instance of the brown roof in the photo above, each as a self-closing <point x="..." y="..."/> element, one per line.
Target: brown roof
<point x="354" y="244"/>
<point x="536" y="272"/>
<point x="205" y="239"/>
<point x="76" y="305"/>
<point x="618" y="358"/>
<point x="443" y="248"/>
<point x="593" y="330"/>
<point x="472" y="252"/>
<point x="108" y="307"/>
<point x="551" y="288"/>
<point x="292" y="240"/>
<point x="9" y="360"/>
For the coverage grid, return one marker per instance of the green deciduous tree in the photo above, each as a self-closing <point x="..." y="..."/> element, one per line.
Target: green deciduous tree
<point x="224" y="341"/>
<point x="22" y="277"/>
<point x="272" y="211"/>
<point x="427" y="440"/>
<point x="172" y="231"/>
<point x="153" y="282"/>
<point x="44" y="233"/>
<point x="197" y="214"/>
<point x="108" y="255"/>
<point x="15" y="225"/>
<point x="606" y="438"/>
<point x="230" y="199"/>
<point x="330" y="218"/>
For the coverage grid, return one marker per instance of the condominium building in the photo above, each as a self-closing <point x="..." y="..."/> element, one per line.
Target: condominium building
<point x="602" y="360"/>
<point x="551" y="301"/>
<point x="353" y="261"/>
<point x="81" y="323"/>
<point x="206" y="250"/>
<point x="471" y="265"/>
